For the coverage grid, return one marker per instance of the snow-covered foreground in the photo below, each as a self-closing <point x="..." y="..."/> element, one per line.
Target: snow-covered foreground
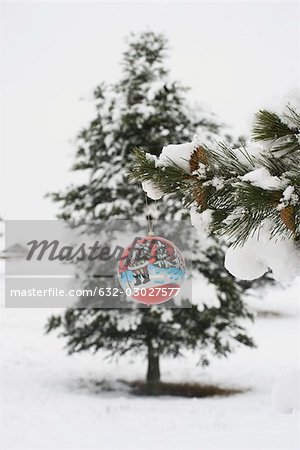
<point x="49" y="399"/>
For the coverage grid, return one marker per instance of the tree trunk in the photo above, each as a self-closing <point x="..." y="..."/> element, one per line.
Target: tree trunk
<point x="153" y="372"/>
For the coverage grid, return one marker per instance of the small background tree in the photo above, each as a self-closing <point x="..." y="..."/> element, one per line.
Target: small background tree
<point x="146" y="109"/>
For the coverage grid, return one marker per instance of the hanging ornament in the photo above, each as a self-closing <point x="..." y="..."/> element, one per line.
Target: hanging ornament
<point x="151" y="270"/>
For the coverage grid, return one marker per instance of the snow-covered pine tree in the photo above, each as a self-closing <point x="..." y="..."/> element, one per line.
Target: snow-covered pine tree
<point x="251" y="195"/>
<point x="146" y="108"/>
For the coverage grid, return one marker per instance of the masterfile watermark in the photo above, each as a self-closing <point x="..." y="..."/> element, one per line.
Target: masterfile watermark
<point x="50" y="264"/>
<point x="83" y="252"/>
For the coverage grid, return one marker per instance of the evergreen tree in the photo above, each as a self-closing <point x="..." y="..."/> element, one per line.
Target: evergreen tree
<point x="145" y="108"/>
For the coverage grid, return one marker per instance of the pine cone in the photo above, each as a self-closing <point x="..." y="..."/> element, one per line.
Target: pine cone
<point x="198" y="156"/>
<point x="288" y="217"/>
<point x="200" y="196"/>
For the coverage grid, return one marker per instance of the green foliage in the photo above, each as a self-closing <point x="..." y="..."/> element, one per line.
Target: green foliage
<point x="269" y="126"/>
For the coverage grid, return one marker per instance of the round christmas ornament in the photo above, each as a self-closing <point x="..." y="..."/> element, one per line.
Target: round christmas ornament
<point x="151" y="270"/>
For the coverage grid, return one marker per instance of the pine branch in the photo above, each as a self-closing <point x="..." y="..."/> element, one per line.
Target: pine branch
<point x="168" y="179"/>
<point x="293" y="117"/>
<point x="268" y="126"/>
<point x="239" y="206"/>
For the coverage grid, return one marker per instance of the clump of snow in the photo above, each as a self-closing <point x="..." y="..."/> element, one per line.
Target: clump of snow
<point x="243" y="263"/>
<point x="261" y="252"/>
<point x="178" y="154"/>
<point x="204" y="293"/>
<point x="144" y="110"/>
<point x="288" y="197"/>
<point x="128" y="322"/>
<point x="151" y="190"/>
<point x="288" y="193"/>
<point x="154" y="88"/>
<point x="201" y="221"/>
<point x="262" y="178"/>
<point x="167" y="315"/>
<point x="285" y="395"/>
<point x="216" y="182"/>
<point x="151" y="157"/>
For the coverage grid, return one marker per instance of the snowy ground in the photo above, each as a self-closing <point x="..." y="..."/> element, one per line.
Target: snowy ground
<point x="49" y="399"/>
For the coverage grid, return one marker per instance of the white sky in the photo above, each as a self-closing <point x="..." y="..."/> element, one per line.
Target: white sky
<point x="237" y="57"/>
